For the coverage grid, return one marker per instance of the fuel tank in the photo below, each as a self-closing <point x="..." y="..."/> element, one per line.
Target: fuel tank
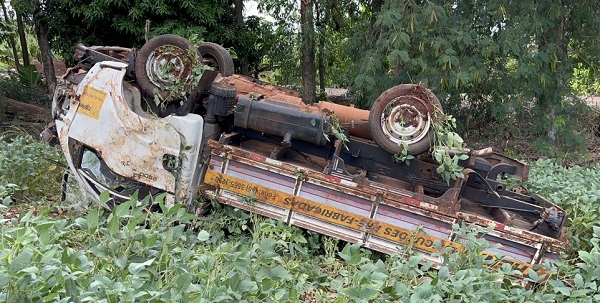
<point x="290" y="121"/>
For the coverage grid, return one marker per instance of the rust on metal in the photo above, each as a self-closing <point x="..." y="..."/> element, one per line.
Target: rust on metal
<point x="444" y="208"/>
<point x="344" y="218"/>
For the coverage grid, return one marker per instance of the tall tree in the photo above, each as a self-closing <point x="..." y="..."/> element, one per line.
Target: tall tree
<point x="36" y="10"/>
<point x="239" y="17"/>
<point x="23" y="39"/>
<point x="10" y="36"/>
<point x="494" y="56"/>
<point x="41" y="30"/>
<point x="308" y="51"/>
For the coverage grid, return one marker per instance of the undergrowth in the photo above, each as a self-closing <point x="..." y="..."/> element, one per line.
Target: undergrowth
<point x="577" y="190"/>
<point x="14" y="88"/>
<point x="131" y="254"/>
<point x="29" y="169"/>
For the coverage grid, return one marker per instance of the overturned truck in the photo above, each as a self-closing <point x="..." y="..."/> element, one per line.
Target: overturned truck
<point x="173" y="119"/>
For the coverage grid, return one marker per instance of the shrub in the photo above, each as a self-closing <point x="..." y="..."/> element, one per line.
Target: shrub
<point x="12" y="87"/>
<point x="26" y="170"/>
<point x="577" y="190"/>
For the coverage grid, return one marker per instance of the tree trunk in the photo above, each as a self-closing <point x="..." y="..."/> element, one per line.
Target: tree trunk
<point x="23" y="40"/>
<point x="11" y="39"/>
<point x="239" y="12"/>
<point x="322" y="62"/>
<point x="308" y="51"/>
<point x="321" y="49"/>
<point x="239" y="17"/>
<point x="42" y="34"/>
<point x="25" y="111"/>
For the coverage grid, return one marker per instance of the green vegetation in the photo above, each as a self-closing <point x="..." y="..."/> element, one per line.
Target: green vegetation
<point x="577" y="189"/>
<point x="27" y="171"/>
<point x="24" y="87"/>
<point x="131" y="254"/>
<point x="519" y="63"/>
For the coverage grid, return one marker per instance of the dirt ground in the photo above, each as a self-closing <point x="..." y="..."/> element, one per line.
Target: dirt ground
<point x="59" y="67"/>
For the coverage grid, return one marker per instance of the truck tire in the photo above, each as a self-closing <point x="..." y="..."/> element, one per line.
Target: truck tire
<point x="164" y="63"/>
<point x="216" y="56"/>
<point x="220" y="101"/>
<point x="405" y="113"/>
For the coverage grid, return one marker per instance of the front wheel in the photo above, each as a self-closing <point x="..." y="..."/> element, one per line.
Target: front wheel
<point x="405" y="114"/>
<point x="164" y="66"/>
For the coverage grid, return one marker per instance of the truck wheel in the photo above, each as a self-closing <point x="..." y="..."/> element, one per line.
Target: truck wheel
<point x="220" y="101"/>
<point x="405" y="113"/>
<point x="164" y="66"/>
<point x="216" y="56"/>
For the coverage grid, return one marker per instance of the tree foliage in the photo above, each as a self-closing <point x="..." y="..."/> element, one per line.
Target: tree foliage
<point x="492" y="58"/>
<point x="106" y="22"/>
<point x="509" y="62"/>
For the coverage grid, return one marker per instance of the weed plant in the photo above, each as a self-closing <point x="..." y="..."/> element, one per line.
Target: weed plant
<point x="29" y="169"/>
<point x="130" y="254"/>
<point x="14" y="88"/>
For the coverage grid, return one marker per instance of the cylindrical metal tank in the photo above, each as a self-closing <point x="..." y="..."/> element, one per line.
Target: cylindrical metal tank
<point x="282" y="119"/>
<point x="355" y="120"/>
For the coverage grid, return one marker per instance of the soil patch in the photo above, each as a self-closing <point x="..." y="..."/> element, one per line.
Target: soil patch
<point x="59" y="67"/>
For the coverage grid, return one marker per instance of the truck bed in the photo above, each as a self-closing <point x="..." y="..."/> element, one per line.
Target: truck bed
<point x="381" y="217"/>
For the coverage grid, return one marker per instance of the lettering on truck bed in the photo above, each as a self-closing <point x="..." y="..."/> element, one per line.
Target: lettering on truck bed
<point x="333" y="215"/>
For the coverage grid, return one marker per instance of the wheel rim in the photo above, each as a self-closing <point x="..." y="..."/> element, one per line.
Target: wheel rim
<point x="405" y="119"/>
<point x="167" y="66"/>
<point x="210" y="61"/>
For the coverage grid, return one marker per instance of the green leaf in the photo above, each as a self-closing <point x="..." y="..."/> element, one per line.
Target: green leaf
<point x="379" y="276"/>
<point x="4" y="279"/>
<point x="22" y="260"/>
<point x="280" y="272"/>
<point x="248" y="286"/>
<point x="443" y="272"/>
<point x="136" y="268"/>
<point x="122" y="210"/>
<point x="92" y="220"/>
<point x="5" y="202"/>
<point x="368" y="292"/>
<point x="203" y="236"/>
<point x="121" y="262"/>
<point x="578" y="280"/>
<point x="183" y="281"/>
<point x="29" y="75"/>
<point x="113" y="225"/>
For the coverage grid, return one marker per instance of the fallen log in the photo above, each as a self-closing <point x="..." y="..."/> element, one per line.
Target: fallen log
<point x="24" y="111"/>
<point x="22" y="123"/>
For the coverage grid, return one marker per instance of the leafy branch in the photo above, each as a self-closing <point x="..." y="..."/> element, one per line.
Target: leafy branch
<point x="447" y="140"/>
<point x="336" y="130"/>
<point x="403" y="155"/>
<point x="180" y="88"/>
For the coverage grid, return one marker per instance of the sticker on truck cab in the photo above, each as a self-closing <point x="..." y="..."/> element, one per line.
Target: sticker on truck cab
<point x="91" y="102"/>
